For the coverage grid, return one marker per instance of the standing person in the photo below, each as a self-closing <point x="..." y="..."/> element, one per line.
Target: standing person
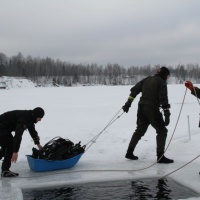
<point x="194" y="91"/>
<point x="17" y="121"/>
<point x="154" y="95"/>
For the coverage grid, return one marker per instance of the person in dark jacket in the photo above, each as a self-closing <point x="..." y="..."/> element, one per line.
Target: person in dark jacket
<point x="16" y="121"/>
<point x="154" y="95"/>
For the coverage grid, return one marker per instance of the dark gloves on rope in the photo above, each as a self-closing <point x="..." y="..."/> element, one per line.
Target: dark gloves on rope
<point x="166" y="114"/>
<point x="167" y="117"/>
<point x="127" y="105"/>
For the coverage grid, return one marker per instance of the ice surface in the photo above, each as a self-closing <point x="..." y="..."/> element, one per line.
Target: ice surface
<point x="79" y="114"/>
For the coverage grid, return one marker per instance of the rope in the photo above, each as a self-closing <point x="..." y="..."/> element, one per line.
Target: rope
<point x="193" y="158"/>
<point x="92" y="141"/>
<point x="106" y="170"/>
<point x="180" y="167"/>
<point x="169" y="140"/>
<point x="165" y="149"/>
<point x="132" y="170"/>
<point x="175" y="125"/>
<point x="70" y="172"/>
<point x="112" y="121"/>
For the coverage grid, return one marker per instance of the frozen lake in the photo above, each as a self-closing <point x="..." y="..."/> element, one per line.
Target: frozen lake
<point x="79" y="114"/>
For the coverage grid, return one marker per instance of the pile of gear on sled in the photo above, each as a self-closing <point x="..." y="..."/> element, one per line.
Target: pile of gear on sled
<point x="58" y="153"/>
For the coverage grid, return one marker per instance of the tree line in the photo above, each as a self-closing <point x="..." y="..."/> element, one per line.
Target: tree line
<point x="47" y="70"/>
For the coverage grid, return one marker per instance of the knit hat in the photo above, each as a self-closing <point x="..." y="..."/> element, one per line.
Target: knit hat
<point x="38" y="112"/>
<point x="163" y="72"/>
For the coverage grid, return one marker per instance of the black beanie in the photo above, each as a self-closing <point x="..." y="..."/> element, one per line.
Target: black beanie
<point x="163" y="72"/>
<point x="38" y="112"/>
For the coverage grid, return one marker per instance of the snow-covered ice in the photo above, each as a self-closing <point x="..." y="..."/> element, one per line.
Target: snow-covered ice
<point x="80" y="113"/>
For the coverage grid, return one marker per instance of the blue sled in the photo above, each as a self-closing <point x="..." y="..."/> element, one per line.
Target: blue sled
<point x="41" y="165"/>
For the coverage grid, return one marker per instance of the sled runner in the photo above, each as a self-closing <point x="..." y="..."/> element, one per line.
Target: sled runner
<point x="57" y="154"/>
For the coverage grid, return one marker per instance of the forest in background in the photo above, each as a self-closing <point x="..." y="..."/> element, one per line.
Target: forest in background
<point x="44" y="71"/>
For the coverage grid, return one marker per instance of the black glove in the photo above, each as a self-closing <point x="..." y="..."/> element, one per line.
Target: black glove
<point x="167" y="117"/>
<point x="127" y="105"/>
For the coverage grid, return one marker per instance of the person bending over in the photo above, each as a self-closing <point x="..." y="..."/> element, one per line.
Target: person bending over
<point x="16" y="121"/>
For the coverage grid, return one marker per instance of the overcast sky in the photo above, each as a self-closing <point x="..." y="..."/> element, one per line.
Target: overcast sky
<point x="127" y="32"/>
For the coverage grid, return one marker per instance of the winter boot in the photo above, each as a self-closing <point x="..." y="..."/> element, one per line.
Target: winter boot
<point x="131" y="156"/>
<point x="162" y="159"/>
<point x="8" y="173"/>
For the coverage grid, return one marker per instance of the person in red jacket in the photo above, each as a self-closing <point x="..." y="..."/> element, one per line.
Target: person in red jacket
<point x="194" y="90"/>
<point x="16" y="121"/>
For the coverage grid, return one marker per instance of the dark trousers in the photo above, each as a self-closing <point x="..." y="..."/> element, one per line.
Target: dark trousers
<point x="148" y="116"/>
<point x="6" y="143"/>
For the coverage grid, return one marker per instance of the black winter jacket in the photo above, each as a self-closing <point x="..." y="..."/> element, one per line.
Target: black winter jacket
<point x="18" y="121"/>
<point x="154" y="92"/>
<point x="197" y="93"/>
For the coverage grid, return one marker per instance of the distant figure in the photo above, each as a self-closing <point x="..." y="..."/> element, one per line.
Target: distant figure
<point x="17" y="121"/>
<point x="154" y="95"/>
